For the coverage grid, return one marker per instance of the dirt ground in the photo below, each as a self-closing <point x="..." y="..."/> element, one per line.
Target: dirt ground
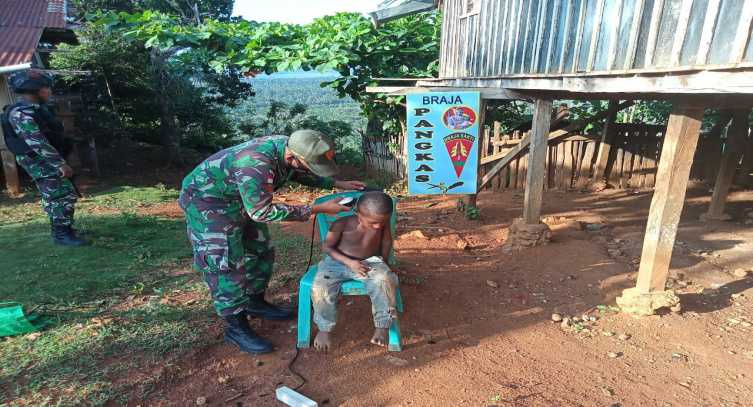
<point x="478" y="327"/>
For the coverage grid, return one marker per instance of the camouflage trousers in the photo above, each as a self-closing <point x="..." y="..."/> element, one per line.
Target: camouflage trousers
<point x="58" y="195"/>
<point x="235" y="261"/>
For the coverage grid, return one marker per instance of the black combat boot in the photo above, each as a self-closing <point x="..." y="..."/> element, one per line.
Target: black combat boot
<point x="239" y="333"/>
<point x="64" y="236"/>
<point x="259" y="307"/>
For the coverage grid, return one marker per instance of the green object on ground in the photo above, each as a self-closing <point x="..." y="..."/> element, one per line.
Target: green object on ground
<point x="13" y="321"/>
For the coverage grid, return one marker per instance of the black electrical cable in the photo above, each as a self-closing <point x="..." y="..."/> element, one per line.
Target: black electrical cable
<point x="297" y="351"/>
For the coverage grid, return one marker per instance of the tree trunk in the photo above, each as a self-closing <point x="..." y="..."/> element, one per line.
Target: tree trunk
<point x="168" y="129"/>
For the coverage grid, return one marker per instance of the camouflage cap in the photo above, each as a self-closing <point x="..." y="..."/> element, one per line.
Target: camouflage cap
<point x="317" y="149"/>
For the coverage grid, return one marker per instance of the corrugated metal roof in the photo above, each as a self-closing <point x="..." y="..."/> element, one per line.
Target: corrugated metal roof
<point x="21" y="25"/>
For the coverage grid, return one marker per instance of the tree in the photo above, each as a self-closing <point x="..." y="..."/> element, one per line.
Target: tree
<point x="284" y="119"/>
<point x="216" y="9"/>
<point x="346" y="43"/>
<point x="170" y="90"/>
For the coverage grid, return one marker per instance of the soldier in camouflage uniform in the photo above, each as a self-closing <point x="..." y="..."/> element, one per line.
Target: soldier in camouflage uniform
<point x="227" y="200"/>
<point x="25" y="127"/>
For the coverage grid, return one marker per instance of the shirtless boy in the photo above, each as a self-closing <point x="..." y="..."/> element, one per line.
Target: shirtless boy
<point x="357" y="248"/>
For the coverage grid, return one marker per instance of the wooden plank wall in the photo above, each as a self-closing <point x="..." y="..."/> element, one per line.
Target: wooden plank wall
<point x="555" y="37"/>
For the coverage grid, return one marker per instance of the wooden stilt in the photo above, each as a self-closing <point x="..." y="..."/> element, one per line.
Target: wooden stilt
<point x="733" y="151"/>
<point x="542" y="114"/>
<point x="745" y="175"/>
<point x="664" y="215"/>
<point x="10" y="170"/>
<point x="607" y="137"/>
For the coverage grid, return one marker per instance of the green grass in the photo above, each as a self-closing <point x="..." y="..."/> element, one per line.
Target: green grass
<point x="77" y="361"/>
<point x="129" y="198"/>
<point x="125" y="246"/>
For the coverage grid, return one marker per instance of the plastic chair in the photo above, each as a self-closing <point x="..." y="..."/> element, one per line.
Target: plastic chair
<point x="350" y="287"/>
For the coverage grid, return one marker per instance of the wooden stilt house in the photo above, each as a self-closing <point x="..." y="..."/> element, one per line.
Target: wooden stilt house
<point x="696" y="54"/>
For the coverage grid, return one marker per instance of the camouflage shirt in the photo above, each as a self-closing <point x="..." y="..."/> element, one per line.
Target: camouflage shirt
<point x="46" y="161"/>
<point x="245" y="176"/>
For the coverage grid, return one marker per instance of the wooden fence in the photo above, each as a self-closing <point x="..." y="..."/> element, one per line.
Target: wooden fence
<point x="385" y="157"/>
<point x="632" y="161"/>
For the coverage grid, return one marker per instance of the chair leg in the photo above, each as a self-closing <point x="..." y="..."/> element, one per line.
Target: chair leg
<point x="304" y="316"/>
<point x="399" y="300"/>
<point x="395" y="341"/>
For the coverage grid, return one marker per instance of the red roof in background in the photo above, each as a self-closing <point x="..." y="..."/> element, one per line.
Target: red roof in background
<point x="21" y="25"/>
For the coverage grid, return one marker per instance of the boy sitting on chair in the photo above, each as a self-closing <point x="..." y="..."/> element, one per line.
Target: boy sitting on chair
<point x="357" y="247"/>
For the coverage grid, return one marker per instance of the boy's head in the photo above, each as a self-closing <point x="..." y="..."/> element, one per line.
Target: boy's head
<point x="374" y="209"/>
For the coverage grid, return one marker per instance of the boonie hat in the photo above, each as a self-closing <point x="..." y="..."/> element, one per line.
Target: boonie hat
<point x="317" y="149"/>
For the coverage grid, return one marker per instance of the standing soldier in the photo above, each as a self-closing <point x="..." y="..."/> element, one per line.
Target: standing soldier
<point x="227" y="200"/>
<point x="32" y="133"/>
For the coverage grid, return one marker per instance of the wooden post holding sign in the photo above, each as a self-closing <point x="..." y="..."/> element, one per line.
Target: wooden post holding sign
<point x="443" y="142"/>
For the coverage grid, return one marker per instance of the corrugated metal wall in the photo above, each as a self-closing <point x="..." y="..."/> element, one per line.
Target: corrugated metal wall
<point x="559" y="37"/>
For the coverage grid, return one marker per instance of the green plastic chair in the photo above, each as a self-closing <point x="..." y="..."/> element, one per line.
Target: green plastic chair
<point x="350" y="287"/>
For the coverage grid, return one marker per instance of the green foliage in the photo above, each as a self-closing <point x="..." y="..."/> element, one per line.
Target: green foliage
<point x="345" y="43"/>
<point x="281" y="118"/>
<point x="509" y="113"/>
<point x="406" y="47"/>
<point x="127" y="71"/>
<point x="647" y="111"/>
<point x="217" y="9"/>
<point x="472" y="212"/>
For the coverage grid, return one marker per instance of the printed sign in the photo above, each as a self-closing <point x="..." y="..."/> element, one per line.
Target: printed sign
<point x="443" y="139"/>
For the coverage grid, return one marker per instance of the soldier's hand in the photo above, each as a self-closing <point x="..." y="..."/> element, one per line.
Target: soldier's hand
<point x="330" y="207"/>
<point x="350" y="185"/>
<point x="66" y="171"/>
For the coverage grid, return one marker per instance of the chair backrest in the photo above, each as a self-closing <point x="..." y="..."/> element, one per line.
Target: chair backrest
<point x="325" y="220"/>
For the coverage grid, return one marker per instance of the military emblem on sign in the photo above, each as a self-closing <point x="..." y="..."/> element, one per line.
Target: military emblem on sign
<point x="459" y="148"/>
<point x="459" y="118"/>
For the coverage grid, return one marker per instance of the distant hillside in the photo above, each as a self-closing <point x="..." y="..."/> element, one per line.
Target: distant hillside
<point x="299" y="75"/>
<point x="294" y="87"/>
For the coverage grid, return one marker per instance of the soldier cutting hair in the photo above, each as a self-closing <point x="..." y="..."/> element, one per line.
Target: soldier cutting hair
<point x="227" y="200"/>
<point x="34" y="135"/>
